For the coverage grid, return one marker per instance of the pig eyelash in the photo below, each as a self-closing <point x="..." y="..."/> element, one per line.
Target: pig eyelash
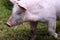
<point x="18" y="13"/>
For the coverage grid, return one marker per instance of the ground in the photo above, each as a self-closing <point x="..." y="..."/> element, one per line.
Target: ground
<point x="20" y="32"/>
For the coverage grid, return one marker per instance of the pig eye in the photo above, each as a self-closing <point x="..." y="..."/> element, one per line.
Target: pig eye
<point x="18" y="13"/>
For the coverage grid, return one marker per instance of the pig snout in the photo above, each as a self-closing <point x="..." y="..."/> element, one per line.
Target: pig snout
<point x="9" y="24"/>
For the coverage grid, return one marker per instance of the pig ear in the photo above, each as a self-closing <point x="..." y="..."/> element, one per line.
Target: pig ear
<point x="22" y="7"/>
<point x="21" y="4"/>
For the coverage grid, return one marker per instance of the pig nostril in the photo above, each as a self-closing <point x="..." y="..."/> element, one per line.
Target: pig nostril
<point x="8" y="24"/>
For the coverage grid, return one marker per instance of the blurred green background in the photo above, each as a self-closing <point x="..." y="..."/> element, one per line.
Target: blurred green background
<point x="20" y="32"/>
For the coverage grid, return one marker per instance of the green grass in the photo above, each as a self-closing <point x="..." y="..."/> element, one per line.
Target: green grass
<point x="20" y="32"/>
